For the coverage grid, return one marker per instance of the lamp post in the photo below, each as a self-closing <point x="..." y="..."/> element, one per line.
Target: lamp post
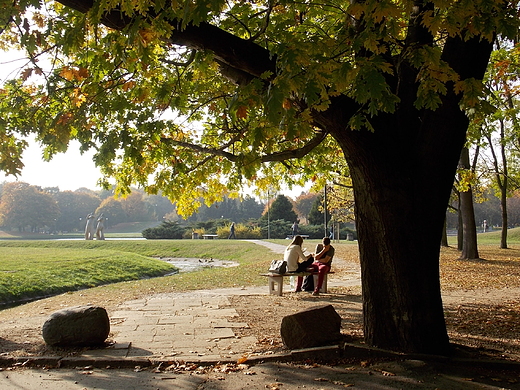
<point x="268" y="227"/>
<point x="325" y="209"/>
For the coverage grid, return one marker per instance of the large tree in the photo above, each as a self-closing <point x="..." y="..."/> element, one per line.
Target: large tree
<point x="274" y="88"/>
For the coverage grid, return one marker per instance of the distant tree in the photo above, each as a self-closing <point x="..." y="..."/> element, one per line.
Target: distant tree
<point x="249" y="208"/>
<point x="104" y="193"/>
<point x="513" y="207"/>
<point x="303" y="204"/>
<point x="281" y="208"/>
<point x="158" y="206"/>
<point x="112" y="210"/>
<point x="86" y="202"/>
<point x="25" y="205"/>
<point x="233" y="209"/>
<point x="74" y="207"/>
<point x="135" y="208"/>
<point x="316" y="216"/>
<point x="489" y="209"/>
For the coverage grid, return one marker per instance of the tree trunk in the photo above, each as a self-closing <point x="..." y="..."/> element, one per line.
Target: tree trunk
<point x="460" y="229"/>
<point x="469" y="241"/>
<point x="444" y="239"/>
<point x="400" y="213"/>
<point x="402" y="175"/>
<point x="503" y="206"/>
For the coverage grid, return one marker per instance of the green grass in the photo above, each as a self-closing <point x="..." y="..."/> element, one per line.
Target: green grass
<point x="34" y="268"/>
<point x="492" y="238"/>
<point x="30" y="268"/>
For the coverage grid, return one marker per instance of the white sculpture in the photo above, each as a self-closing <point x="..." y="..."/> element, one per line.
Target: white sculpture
<point x="89" y="228"/>
<point x="100" y="226"/>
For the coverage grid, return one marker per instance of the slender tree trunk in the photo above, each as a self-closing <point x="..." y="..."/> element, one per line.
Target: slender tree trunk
<point x="503" y="234"/>
<point x="502" y="179"/>
<point x="460" y="229"/>
<point x="444" y="239"/>
<point x="503" y="184"/>
<point x="469" y="242"/>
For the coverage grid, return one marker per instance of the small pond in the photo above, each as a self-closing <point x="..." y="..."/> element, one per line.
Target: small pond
<point x="190" y="264"/>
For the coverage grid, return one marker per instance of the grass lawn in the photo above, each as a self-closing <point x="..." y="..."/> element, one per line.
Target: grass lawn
<point x="31" y="269"/>
<point x="36" y="268"/>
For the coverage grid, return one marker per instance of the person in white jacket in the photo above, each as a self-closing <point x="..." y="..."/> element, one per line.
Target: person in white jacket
<point x="292" y="254"/>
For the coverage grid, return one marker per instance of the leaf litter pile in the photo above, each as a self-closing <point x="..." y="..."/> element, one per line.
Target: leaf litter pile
<point x="481" y="300"/>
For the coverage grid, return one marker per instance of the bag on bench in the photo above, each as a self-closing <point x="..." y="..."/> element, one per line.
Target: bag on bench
<point x="278" y="267"/>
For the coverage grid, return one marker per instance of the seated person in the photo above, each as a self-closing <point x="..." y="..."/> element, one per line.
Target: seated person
<point x="322" y="263"/>
<point x="293" y="253"/>
<point x="308" y="281"/>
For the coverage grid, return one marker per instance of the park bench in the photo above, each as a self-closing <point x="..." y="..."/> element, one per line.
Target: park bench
<point x="210" y="236"/>
<point x="275" y="281"/>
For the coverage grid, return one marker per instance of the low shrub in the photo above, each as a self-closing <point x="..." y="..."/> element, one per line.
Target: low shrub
<point x="241" y="232"/>
<point x="166" y="230"/>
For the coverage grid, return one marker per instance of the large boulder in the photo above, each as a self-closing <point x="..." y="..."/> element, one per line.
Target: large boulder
<point x="81" y="326"/>
<point x="314" y="327"/>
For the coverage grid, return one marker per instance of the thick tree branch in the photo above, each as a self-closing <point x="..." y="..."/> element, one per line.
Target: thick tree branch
<point x="296" y="153"/>
<point x="279" y="156"/>
<point x="243" y="55"/>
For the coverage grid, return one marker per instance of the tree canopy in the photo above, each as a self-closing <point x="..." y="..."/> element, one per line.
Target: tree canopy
<point x="141" y="82"/>
<point x="199" y="98"/>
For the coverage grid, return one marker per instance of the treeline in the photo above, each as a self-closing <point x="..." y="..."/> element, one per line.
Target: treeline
<point x="490" y="211"/>
<point x="29" y="208"/>
<point x="275" y="220"/>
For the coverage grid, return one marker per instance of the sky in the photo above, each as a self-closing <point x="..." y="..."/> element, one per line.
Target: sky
<point x="68" y="171"/>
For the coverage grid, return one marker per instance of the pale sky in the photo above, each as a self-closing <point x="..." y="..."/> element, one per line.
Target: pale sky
<point x="68" y="171"/>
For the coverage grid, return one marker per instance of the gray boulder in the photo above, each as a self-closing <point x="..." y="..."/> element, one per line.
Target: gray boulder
<point x="314" y="327"/>
<point x="81" y="326"/>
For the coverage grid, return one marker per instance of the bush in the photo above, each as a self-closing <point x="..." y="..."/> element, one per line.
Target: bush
<point x="318" y="232"/>
<point x="278" y="229"/>
<point x="313" y="231"/>
<point x="166" y="230"/>
<point x="241" y="232"/>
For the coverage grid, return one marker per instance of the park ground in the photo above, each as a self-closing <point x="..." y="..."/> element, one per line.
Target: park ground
<point x="482" y="306"/>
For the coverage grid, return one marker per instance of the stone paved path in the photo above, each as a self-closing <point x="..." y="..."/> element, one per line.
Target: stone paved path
<point x="194" y="325"/>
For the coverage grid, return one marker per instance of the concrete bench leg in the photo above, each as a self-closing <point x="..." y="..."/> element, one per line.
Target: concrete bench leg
<point x="276" y="285"/>
<point x="324" y="285"/>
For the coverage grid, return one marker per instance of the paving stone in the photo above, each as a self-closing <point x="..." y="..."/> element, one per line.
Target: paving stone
<point x="222" y="313"/>
<point x="174" y="319"/>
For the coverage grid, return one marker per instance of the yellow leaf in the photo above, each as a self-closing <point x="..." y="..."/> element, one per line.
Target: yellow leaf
<point x="147" y="36"/>
<point x="82" y="73"/>
<point x="67" y="73"/>
<point x="128" y="85"/>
